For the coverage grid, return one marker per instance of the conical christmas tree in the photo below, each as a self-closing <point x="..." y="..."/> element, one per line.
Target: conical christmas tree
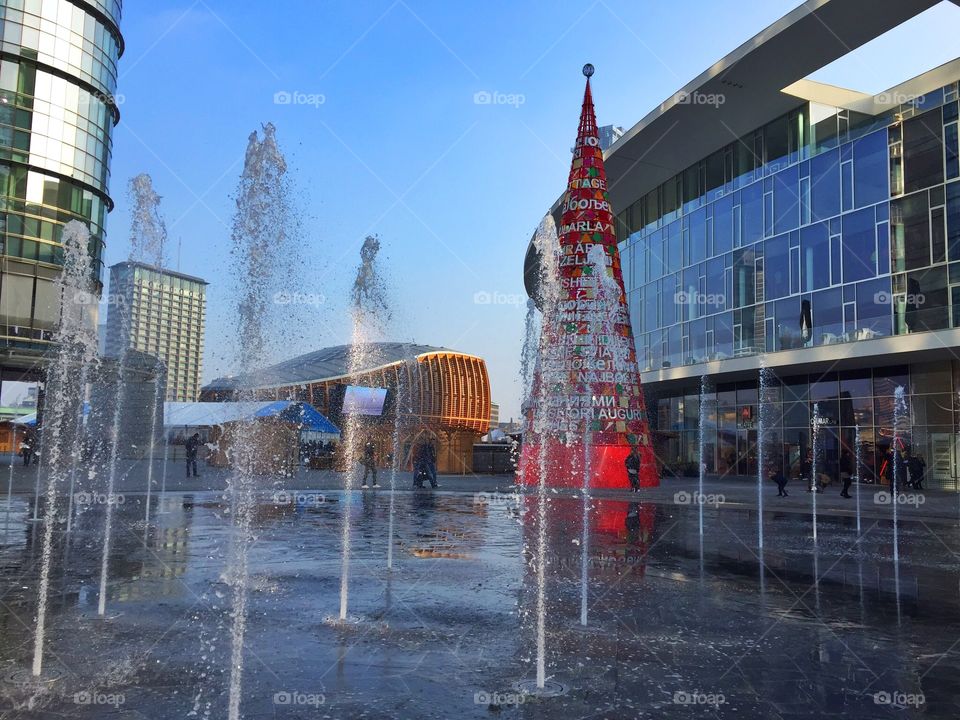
<point x="586" y="408"/>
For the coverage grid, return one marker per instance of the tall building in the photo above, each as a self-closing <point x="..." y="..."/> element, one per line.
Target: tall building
<point x="161" y="313"/>
<point x="58" y="75"/>
<point x="608" y="135"/>
<point x="776" y="221"/>
<point x="494" y="415"/>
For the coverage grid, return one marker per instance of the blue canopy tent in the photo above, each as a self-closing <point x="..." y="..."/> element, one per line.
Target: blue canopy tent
<point x="303" y="414"/>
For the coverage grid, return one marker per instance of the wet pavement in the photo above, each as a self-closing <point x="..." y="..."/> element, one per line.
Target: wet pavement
<point x="676" y="627"/>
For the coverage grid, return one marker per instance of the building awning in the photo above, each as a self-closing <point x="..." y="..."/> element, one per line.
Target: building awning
<point x="208" y="414"/>
<point x="30" y="420"/>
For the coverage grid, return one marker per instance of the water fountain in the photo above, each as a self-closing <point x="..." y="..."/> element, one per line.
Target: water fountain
<point x="585" y="530"/>
<point x="765" y="389"/>
<point x="705" y="390"/>
<point x="113" y="462"/>
<point x="401" y="411"/>
<point x="76" y="343"/>
<point x="547" y="376"/>
<point x="261" y="244"/>
<point x="814" y="488"/>
<point x="900" y="429"/>
<point x="858" y="454"/>
<point x="369" y="312"/>
<point x="13" y="455"/>
<point x="148" y="238"/>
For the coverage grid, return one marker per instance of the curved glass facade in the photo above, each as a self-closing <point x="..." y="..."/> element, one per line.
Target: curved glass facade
<point x="64" y="36"/>
<point x="58" y="71"/>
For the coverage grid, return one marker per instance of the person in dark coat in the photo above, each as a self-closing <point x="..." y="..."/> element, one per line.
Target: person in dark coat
<point x="431" y="459"/>
<point x="915" y="470"/>
<point x="192" y="446"/>
<point x="632" y="464"/>
<point x="26" y="450"/>
<point x="776" y="474"/>
<point x="806" y="473"/>
<point x="369" y="463"/>
<point x="846" y="473"/>
<point x="419" y="464"/>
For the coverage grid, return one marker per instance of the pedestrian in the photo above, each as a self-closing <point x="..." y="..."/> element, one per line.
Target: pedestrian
<point x="419" y="464"/>
<point x="846" y="473"/>
<point x="776" y="474"/>
<point x="921" y="471"/>
<point x="26" y="450"/>
<point x="192" y="446"/>
<point x="915" y="470"/>
<point x="432" y="464"/>
<point x="807" y="472"/>
<point x="369" y="463"/>
<point x="632" y="464"/>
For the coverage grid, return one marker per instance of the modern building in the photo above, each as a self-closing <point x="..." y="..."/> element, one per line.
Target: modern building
<point x="58" y="76"/>
<point x="608" y="135"/>
<point x="494" y="415"/>
<point x="161" y="313"/>
<point x="432" y="393"/>
<point x="767" y="220"/>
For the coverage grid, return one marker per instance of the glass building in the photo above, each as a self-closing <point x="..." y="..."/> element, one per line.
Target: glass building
<point x="765" y="218"/>
<point x="161" y="313"/>
<point x="58" y="76"/>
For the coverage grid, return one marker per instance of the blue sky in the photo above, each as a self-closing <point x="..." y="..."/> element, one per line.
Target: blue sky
<point x="399" y="147"/>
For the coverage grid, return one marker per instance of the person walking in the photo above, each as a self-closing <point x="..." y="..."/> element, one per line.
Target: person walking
<point x="369" y="463"/>
<point x="807" y="472"/>
<point x="846" y="473"/>
<point x="26" y="450"/>
<point x="192" y="446"/>
<point x="776" y="474"/>
<point x="632" y="463"/>
<point x="915" y="470"/>
<point x="431" y="459"/>
<point x="419" y="464"/>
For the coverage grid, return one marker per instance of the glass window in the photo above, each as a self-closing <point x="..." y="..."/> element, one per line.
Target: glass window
<point x="775" y="142"/>
<point x="910" y="227"/>
<point x="723" y="225"/>
<point x="886" y="380"/>
<point x="715" y="289"/>
<point x="751" y="213"/>
<point x="925" y="302"/>
<point x="923" y="151"/>
<point x="874" y="313"/>
<point x="859" y="245"/>
<point x="714" y="176"/>
<point x="953" y="221"/>
<point x="823" y="127"/>
<point x="828" y="317"/>
<point x="744" y="278"/>
<point x="856" y="383"/>
<point x="870" y="174"/>
<point x="814" y="257"/>
<point x="671" y="200"/>
<point x="698" y="236"/>
<point x="745" y="159"/>
<point x="950" y="151"/>
<point x="723" y="334"/>
<point x="691" y="186"/>
<point x="786" y="205"/>
<point x="825" y="185"/>
<point x="776" y="267"/>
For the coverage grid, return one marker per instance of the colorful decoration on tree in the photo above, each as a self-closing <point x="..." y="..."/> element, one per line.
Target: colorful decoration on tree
<point x="587" y="398"/>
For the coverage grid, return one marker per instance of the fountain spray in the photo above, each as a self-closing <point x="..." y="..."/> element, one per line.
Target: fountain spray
<point x="76" y="340"/>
